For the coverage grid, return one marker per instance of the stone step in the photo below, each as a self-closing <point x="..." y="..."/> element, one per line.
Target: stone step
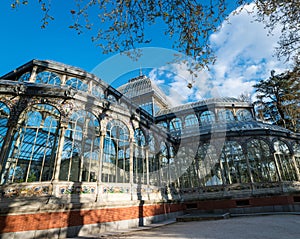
<point x="202" y="217"/>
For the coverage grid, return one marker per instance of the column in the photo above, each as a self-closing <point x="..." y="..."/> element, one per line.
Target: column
<point x="61" y="142"/>
<point x="100" y="165"/>
<point x="33" y="74"/>
<point x="245" y="153"/>
<point x="296" y="167"/>
<point x="216" y="111"/>
<point x="147" y="165"/>
<point x="101" y="147"/>
<point x="7" y="141"/>
<point x="63" y="79"/>
<point x="131" y="166"/>
<point x="234" y="112"/>
<point x="277" y="166"/>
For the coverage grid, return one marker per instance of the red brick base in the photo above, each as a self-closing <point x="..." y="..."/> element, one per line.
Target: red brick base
<point x="50" y="220"/>
<point x="79" y="217"/>
<point x="248" y="202"/>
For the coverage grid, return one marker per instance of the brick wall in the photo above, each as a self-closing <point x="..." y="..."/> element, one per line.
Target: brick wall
<point x="22" y="222"/>
<point x="51" y="220"/>
<point x="246" y="202"/>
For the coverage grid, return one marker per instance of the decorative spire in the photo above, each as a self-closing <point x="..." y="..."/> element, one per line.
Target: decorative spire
<point x="141" y="72"/>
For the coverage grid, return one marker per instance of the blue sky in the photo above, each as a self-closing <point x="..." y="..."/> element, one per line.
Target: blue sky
<point x="22" y="39"/>
<point x="243" y="49"/>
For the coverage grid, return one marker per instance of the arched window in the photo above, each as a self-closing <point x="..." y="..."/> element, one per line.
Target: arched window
<point x="163" y="125"/>
<point x="109" y="151"/>
<point x="243" y="115"/>
<point x="171" y="154"/>
<point x="139" y="157"/>
<point x="109" y="160"/>
<point x="208" y="165"/>
<point x="32" y="154"/>
<point x="234" y="163"/>
<point x="116" y="153"/>
<point x="124" y="106"/>
<point x="80" y="156"/>
<point x="148" y="107"/>
<point x="112" y="99"/>
<point x="174" y="165"/>
<point x="225" y="116"/>
<point x="163" y="164"/>
<point x="98" y="92"/>
<point x="285" y="162"/>
<point x="175" y="125"/>
<point x="207" y="117"/>
<point x="77" y="84"/>
<point x="163" y="154"/>
<point x="296" y="149"/>
<point x="4" y="116"/>
<point x="25" y="77"/>
<point x="46" y="77"/>
<point x="191" y="121"/>
<point x="261" y="162"/>
<point x="153" y="160"/>
<point x="139" y="137"/>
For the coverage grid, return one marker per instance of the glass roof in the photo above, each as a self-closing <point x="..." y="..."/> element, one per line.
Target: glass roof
<point x="141" y="85"/>
<point x="221" y="100"/>
<point x="233" y="127"/>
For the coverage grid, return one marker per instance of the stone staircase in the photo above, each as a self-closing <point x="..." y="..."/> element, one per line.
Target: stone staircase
<point x="197" y="215"/>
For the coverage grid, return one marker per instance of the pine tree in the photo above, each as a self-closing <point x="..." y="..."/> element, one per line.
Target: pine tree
<point x="278" y="99"/>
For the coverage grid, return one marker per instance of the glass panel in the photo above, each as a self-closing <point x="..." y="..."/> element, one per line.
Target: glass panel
<point x="234" y="163"/>
<point x="191" y="121"/>
<point x="209" y="170"/>
<point x="77" y="84"/>
<point x="153" y="161"/>
<point x="139" y="165"/>
<point x="98" y="92"/>
<point x="139" y="157"/>
<point x="296" y="149"/>
<point x="25" y="77"/>
<point x="163" y="125"/>
<point x="80" y="156"/>
<point x="207" y="117"/>
<point x="225" y="115"/>
<point x="285" y="161"/>
<point x="148" y="107"/>
<point x="4" y="116"/>
<point x="32" y="154"/>
<point x="46" y="77"/>
<point x="116" y="153"/>
<point x="175" y="124"/>
<point x="243" y="115"/>
<point x="261" y="163"/>
<point x="112" y="99"/>
<point x="124" y="106"/>
<point x="163" y="165"/>
<point x="156" y="108"/>
<point x="139" y="137"/>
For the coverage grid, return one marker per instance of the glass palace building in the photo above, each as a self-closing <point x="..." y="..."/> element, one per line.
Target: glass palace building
<point x="78" y="155"/>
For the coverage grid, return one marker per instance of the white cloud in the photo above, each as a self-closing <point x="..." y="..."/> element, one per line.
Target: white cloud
<point x="244" y="52"/>
<point x="174" y="78"/>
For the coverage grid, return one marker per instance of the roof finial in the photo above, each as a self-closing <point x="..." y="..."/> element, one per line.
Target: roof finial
<point x="141" y="72"/>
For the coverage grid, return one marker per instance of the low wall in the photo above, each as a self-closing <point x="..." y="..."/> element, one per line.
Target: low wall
<point x="68" y="209"/>
<point x="259" y="204"/>
<point x="77" y="220"/>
